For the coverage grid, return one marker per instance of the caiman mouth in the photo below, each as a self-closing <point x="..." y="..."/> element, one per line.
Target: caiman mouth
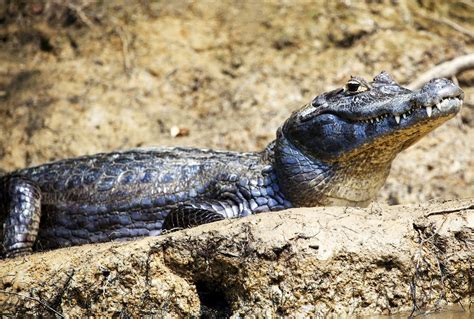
<point x="445" y="106"/>
<point x="375" y="122"/>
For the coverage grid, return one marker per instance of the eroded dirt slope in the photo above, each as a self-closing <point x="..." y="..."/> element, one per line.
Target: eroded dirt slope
<point x="309" y="262"/>
<point x="80" y="77"/>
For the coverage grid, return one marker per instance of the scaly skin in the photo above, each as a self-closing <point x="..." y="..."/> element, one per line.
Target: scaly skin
<point x="330" y="152"/>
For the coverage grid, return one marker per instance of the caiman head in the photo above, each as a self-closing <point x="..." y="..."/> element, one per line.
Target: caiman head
<point x="337" y="150"/>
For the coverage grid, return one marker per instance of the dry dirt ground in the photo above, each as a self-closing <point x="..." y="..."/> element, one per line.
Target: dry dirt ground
<point x="81" y="77"/>
<point x="300" y="263"/>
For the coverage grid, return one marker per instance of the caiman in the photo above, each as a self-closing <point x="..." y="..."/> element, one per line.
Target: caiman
<point x="336" y="150"/>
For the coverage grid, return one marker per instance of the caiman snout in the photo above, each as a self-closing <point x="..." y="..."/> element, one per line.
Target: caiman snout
<point x="440" y="92"/>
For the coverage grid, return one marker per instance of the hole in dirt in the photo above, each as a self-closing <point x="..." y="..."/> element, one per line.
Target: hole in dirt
<point x="45" y="45"/>
<point x="213" y="301"/>
<point x="387" y="264"/>
<point x="70" y="18"/>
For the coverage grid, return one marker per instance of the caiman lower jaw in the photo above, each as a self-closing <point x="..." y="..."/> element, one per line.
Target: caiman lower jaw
<point x="446" y="106"/>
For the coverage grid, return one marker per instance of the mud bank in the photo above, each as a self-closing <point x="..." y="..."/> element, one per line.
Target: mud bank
<point x="306" y="262"/>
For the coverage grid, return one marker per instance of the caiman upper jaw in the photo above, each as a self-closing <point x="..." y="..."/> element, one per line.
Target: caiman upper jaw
<point x="446" y="106"/>
<point x="439" y="97"/>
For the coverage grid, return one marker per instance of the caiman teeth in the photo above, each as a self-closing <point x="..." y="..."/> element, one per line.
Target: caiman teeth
<point x="429" y="110"/>
<point x="444" y="105"/>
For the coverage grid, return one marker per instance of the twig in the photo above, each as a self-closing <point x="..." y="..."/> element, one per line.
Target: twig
<point x="467" y="3"/>
<point x="81" y="15"/>
<point x="124" y="39"/>
<point x="57" y="299"/>
<point x="449" y="23"/>
<point x="229" y="254"/>
<point x="413" y="294"/>
<point x="446" y="69"/>
<point x="41" y="302"/>
<point x="455" y="26"/>
<point x="448" y="211"/>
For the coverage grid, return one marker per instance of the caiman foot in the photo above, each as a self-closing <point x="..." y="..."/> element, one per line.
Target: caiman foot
<point x="188" y="216"/>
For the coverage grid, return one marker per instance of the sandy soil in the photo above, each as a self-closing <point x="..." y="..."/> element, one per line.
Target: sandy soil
<point x="80" y="77"/>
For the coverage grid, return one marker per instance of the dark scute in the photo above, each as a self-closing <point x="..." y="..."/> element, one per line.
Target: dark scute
<point x="127" y="178"/>
<point x="114" y="170"/>
<point x="149" y="175"/>
<point x="166" y="178"/>
<point x="92" y="176"/>
<point x="73" y="182"/>
<point x="106" y="184"/>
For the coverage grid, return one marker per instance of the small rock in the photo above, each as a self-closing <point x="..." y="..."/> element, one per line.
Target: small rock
<point x="176" y="131"/>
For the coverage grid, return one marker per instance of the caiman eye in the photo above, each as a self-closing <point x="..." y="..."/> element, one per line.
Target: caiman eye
<point x="353" y="87"/>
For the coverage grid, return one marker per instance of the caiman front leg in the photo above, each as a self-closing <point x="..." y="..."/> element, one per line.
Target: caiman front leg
<point x="202" y="212"/>
<point x="23" y="210"/>
<point x="186" y="216"/>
